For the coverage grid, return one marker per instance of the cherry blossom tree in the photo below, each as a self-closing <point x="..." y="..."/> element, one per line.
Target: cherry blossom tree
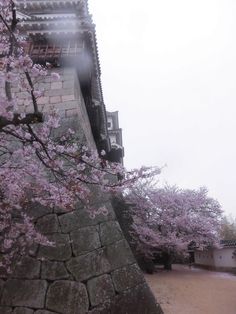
<point x="36" y="166"/>
<point x="166" y="221"/>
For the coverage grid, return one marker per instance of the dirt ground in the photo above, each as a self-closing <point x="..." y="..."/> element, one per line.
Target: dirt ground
<point x="194" y="291"/>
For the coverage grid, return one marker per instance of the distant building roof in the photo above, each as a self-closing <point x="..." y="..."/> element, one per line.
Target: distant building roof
<point x="228" y="243"/>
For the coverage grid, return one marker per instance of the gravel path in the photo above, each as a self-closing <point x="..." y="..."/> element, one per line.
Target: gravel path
<point x="194" y="291"/>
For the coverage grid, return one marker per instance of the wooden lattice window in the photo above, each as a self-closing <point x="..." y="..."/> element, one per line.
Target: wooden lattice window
<point x="48" y="50"/>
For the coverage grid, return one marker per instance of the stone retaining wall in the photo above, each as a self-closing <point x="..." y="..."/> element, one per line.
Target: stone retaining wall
<point x="63" y="96"/>
<point x="90" y="269"/>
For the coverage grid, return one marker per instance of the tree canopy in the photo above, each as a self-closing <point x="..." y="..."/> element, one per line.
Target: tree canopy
<point x="167" y="220"/>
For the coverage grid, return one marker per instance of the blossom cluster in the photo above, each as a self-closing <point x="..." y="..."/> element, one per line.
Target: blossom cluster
<point x="170" y="219"/>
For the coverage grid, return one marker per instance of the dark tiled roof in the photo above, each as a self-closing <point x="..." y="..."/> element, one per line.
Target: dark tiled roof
<point x="228" y="243"/>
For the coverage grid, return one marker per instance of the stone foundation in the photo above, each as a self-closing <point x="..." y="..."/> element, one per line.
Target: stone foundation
<point x="91" y="269"/>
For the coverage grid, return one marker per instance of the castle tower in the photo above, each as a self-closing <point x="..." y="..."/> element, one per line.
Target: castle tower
<point x="115" y="135"/>
<point x="91" y="269"/>
<point x="62" y="34"/>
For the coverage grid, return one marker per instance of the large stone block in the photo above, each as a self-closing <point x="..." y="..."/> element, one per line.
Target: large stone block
<point x="44" y="312"/>
<point x="67" y="297"/>
<point x="36" y="210"/>
<point x="29" y="268"/>
<point x="110" y="232"/>
<point x="22" y="310"/>
<point x="97" y="196"/>
<point x="68" y="84"/>
<point x="119" y="254"/>
<point x="44" y="86"/>
<point x="53" y="270"/>
<point x="1" y="287"/>
<point x="22" y="95"/>
<point x="48" y="224"/>
<point x="100" y="289"/>
<point x="68" y="97"/>
<point x="80" y="218"/>
<point x="101" y="309"/>
<point x="43" y="100"/>
<point x="5" y="310"/>
<point x="86" y="266"/>
<point x="25" y="293"/>
<point x="71" y="112"/>
<point x="85" y="240"/>
<point x="33" y="250"/>
<point x="60" y="251"/>
<point x="138" y="300"/>
<point x="127" y="277"/>
<point x="69" y="221"/>
<point x="73" y="124"/>
<point x="56" y="85"/>
<point x="54" y="99"/>
<point x="59" y="92"/>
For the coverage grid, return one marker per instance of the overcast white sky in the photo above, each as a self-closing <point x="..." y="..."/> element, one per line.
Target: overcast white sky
<point x="169" y="68"/>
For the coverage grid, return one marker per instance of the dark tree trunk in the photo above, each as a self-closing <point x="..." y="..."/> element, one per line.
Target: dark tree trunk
<point x="167" y="260"/>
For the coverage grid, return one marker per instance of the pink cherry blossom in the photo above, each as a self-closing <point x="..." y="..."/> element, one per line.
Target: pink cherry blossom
<point x="168" y="220"/>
